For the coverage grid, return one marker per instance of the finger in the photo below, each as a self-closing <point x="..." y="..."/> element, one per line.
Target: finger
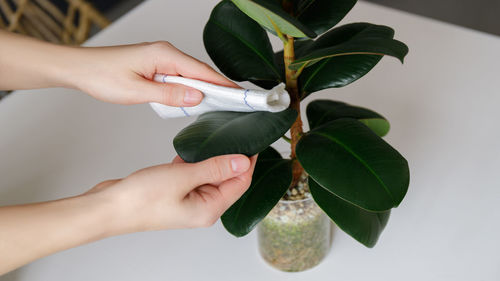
<point x="253" y="161"/>
<point x="234" y="188"/>
<point x="170" y="94"/>
<point x="217" y="199"/>
<point x="190" y="67"/>
<point x="216" y="169"/>
<point x="231" y="190"/>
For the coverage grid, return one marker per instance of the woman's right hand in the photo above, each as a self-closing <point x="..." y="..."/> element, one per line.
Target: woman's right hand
<point x="176" y="195"/>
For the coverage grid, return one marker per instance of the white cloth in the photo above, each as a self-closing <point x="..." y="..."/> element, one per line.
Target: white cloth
<point x="220" y="98"/>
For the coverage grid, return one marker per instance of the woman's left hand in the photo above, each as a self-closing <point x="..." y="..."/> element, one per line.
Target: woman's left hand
<point x="124" y="74"/>
<point x="117" y="74"/>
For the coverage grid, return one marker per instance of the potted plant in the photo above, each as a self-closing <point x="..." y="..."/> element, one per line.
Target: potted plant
<point x="341" y="165"/>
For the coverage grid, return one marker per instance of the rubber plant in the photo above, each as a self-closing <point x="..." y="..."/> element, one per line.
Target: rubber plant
<point x="354" y="175"/>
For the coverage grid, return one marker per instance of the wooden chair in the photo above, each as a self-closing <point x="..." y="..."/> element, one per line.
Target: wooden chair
<point x="46" y="21"/>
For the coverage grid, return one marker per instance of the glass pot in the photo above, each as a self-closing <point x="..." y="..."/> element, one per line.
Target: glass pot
<point x="295" y="235"/>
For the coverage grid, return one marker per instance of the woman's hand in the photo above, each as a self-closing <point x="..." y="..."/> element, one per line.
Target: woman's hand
<point x="177" y="195"/>
<point x="117" y="74"/>
<point x="124" y="74"/>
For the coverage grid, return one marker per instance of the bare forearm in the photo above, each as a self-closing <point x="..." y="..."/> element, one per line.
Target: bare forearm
<point x="29" y="232"/>
<point x="27" y="63"/>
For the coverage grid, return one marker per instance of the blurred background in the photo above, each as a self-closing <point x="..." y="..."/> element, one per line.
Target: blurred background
<point x="74" y="21"/>
<point x="482" y="15"/>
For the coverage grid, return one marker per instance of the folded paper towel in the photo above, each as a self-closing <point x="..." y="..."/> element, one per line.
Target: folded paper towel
<point x="220" y="98"/>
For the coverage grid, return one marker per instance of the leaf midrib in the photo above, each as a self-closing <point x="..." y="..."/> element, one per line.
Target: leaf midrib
<point x="307" y="61"/>
<point x="268" y="63"/>
<point x="350" y="40"/>
<point x="313" y="75"/>
<point x="359" y="159"/>
<point x="264" y="9"/>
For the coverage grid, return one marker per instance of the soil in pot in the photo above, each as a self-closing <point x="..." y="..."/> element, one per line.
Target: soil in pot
<point x="295" y="235"/>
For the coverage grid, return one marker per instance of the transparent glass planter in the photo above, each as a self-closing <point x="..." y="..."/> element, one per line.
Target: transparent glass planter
<point x="295" y="235"/>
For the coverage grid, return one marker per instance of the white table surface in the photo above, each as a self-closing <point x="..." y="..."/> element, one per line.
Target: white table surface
<point x="443" y="105"/>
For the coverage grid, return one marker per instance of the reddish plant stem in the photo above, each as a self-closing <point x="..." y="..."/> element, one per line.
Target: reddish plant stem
<point x="293" y="89"/>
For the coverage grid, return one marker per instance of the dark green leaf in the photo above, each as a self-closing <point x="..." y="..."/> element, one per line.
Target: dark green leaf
<point x="347" y="32"/>
<point x="271" y="15"/>
<point x="321" y="15"/>
<point x="320" y="112"/>
<point x="339" y="71"/>
<point x="269" y="154"/>
<point x="362" y="225"/>
<point x="271" y="179"/>
<point x="358" y="46"/>
<point x="336" y="72"/>
<point x="350" y="160"/>
<point x="226" y="132"/>
<point x="240" y="47"/>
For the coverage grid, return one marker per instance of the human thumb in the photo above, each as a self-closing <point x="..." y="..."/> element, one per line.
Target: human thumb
<point x="171" y="94"/>
<point x="217" y="169"/>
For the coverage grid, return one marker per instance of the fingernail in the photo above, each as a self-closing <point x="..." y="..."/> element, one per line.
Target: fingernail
<point x="192" y="96"/>
<point x="240" y="164"/>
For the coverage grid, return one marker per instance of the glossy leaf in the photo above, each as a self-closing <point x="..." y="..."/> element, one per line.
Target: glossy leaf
<point x="271" y="179"/>
<point x="350" y="160"/>
<point x="362" y="225"/>
<point x="271" y="15"/>
<point x="320" y="112"/>
<point x="359" y="46"/>
<point x="240" y="47"/>
<point x="339" y="71"/>
<point x="345" y="33"/>
<point x="269" y="154"/>
<point x="321" y="15"/>
<point x="226" y="132"/>
<point x="335" y="72"/>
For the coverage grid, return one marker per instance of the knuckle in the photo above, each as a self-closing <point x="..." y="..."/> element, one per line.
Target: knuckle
<point x="173" y="95"/>
<point x="162" y="44"/>
<point x="159" y="46"/>
<point x="106" y="183"/>
<point x="216" y="170"/>
<point x="166" y="95"/>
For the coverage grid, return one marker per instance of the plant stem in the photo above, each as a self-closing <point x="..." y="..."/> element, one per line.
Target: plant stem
<point x="293" y="89"/>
